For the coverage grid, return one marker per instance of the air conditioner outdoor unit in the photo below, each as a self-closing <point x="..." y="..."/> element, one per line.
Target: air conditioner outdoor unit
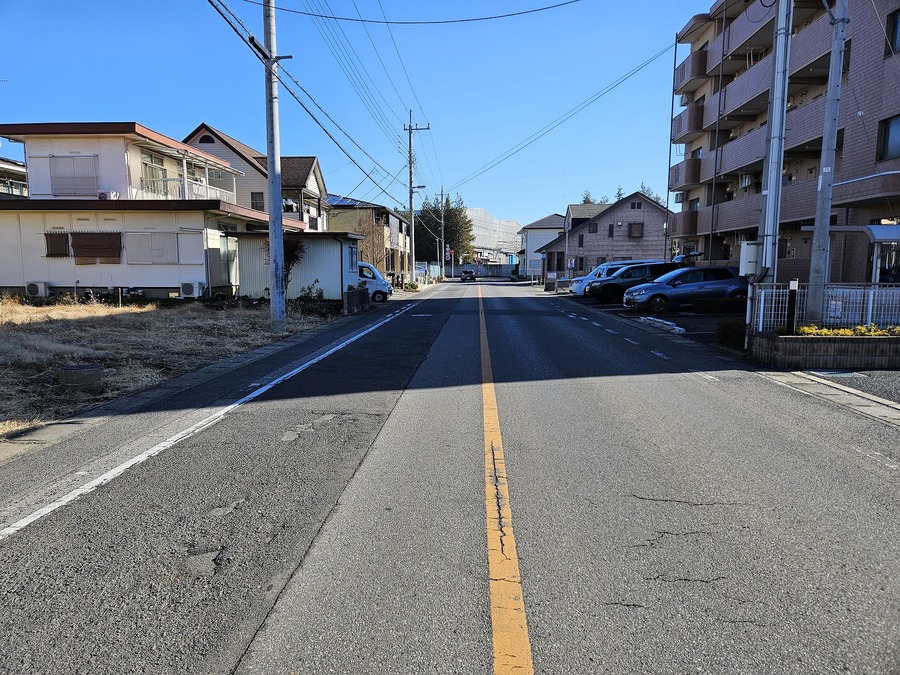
<point x="108" y="194"/>
<point x="746" y="180"/>
<point x="192" y="289"/>
<point x="679" y="197"/>
<point x="37" y="289"/>
<point x="685" y="100"/>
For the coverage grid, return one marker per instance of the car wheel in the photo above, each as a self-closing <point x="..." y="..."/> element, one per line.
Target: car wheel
<point x="379" y="296"/>
<point x="657" y="304"/>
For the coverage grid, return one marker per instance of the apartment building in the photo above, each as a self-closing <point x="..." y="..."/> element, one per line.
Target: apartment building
<point x="719" y="133"/>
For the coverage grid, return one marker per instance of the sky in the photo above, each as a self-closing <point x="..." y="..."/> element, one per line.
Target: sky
<point x="524" y="113"/>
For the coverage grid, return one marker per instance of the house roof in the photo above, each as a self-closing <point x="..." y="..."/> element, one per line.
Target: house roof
<point x="132" y="205"/>
<point x="141" y="135"/>
<point x="341" y="202"/>
<point x="552" y="222"/>
<point x="586" y="210"/>
<point x="295" y="170"/>
<point x="253" y="157"/>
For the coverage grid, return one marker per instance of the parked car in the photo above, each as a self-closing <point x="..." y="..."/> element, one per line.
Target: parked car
<point x="378" y="287"/>
<point x="686" y="285"/>
<point x="579" y="284"/>
<point x="467" y="275"/>
<point x="612" y="288"/>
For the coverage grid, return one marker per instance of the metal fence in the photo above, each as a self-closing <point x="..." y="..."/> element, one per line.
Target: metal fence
<point x="846" y="306"/>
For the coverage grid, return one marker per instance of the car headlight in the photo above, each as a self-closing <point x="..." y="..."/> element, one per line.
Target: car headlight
<point x="639" y="291"/>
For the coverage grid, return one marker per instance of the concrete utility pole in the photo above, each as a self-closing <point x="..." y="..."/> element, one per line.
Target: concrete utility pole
<point x="412" y="213"/>
<point x="273" y="168"/>
<point x="443" y="256"/>
<point x="771" y="199"/>
<point x="819" y="263"/>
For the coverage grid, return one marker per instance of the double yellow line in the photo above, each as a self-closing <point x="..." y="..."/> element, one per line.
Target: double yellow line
<point x="509" y="627"/>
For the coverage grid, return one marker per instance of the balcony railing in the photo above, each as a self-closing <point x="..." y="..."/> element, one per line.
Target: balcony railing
<point x="688" y="124"/>
<point x="180" y="188"/>
<point x="13" y="187"/>
<point x="685" y="224"/>
<point x="685" y="174"/>
<point x="691" y="73"/>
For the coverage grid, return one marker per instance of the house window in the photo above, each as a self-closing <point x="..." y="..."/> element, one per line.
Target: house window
<point x="580" y="241"/>
<point x="635" y="230"/>
<point x="635" y="205"/>
<point x="580" y="264"/>
<point x="57" y="244"/>
<point x="92" y="247"/>
<point x="612" y="229"/>
<point x="74" y="175"/>
<point x="257" y="202"/>
<point x="892" y="44"/>
<point x="153" y="173"/>
<point x="206" y="138"/>
<point x="601" y="259"/>
<point x="592" y="228"/>
<point x="889" y="138"/>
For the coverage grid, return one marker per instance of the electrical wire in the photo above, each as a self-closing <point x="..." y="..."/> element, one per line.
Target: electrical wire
<point x="419" y="23"/>
<point x="559" y="120"/>
<point x="219" y="6"/>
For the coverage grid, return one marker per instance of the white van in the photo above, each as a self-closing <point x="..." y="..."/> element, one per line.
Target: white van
<point x="579" y="284"/>
<point x="379" y="288"/>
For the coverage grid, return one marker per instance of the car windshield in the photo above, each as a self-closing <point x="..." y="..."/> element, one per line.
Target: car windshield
<point x="668" y="276"/>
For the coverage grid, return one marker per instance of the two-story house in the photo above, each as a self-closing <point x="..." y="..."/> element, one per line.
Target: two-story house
<point x="630" y="229"/>
<point x="387" y="232"/>
<point x="535" y="236"/>
<point x="117" y="205"/>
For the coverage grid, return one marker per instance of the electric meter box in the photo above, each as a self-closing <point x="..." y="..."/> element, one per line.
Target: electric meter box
<point x="750" y="253"/>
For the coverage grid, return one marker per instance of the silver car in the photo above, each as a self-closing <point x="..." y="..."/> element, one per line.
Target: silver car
<point x="686" y="285"/>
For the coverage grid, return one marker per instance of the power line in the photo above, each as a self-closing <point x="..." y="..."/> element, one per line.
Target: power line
<point x="221" y="8"/>
<point x="418" y="23"/>
<point x="559" y="120"/>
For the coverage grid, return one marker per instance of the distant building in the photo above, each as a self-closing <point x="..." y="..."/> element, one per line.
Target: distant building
<point x="496" y="241"/>
<point x="13" y="179"/>
<point x="534" y="236"/>
<point x="723" y="87"/>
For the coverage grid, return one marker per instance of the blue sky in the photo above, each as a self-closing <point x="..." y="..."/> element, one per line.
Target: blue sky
<point x="484" y="87"/>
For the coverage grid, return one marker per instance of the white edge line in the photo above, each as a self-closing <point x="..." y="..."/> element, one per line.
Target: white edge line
<point x="181" y="435"/>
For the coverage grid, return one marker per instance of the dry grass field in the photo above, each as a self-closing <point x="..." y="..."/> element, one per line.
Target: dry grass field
<point x="137" y="345"/>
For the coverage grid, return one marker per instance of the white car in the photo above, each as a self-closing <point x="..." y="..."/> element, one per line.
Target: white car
<point x="579" y="284"/>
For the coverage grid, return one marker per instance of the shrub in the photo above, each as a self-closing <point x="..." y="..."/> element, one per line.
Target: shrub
<point x="859" y="331"/>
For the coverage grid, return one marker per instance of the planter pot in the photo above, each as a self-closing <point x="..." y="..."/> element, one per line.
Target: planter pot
<point x="803" y="352"/>
<point x="85" y="378"/>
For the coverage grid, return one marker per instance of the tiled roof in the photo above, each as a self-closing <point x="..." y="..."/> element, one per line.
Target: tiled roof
<point x="586" y="210"/>
<point x="552" y="222"/>
<point x="295" y="171"/>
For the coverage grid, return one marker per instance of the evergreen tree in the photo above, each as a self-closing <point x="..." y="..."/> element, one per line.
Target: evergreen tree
<point x="458" y="229"/>
<point x="586" y="198"/>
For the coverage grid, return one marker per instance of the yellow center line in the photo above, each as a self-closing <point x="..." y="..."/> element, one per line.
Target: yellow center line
<point x="509" y="627"/>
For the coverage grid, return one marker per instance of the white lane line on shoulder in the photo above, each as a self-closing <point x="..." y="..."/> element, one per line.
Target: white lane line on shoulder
<point x="705" y="376"/>
<point x="660" y="355"/>
<point x="192" y="430"/>
<point x="634" y="342"/>
<point x="583" y="318"/>
<point x="611" y="331"/>
<point x="594" y="323"/>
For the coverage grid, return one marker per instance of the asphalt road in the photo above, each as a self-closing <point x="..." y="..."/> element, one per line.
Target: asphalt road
<point x="675" y="509"/>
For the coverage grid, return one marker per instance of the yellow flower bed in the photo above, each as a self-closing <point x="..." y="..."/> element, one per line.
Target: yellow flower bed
<point x="859" y="331"/>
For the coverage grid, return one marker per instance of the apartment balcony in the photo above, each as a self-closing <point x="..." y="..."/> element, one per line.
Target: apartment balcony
<point x="866" y="190"/>
<point x="181" y="188"/>
<point x="684" y="224"/>
<point x="748" y="94"/>
<point x="685" y="174"/>
<point x="688" y="125"/>
<point x="691" y="73"/>
<point x="798" y="202"/>
<point x="16" y="188"/>
<point x="746" y="153"/>
<point x="692" y="28"/>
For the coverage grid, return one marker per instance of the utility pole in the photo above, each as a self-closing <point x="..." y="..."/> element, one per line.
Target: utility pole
<point x="412" y="213"/>
<point x="443" y="257"/>
<point x="771" y="199"/>
<point x="818" y="266"/>
<point x="273" y="168"/>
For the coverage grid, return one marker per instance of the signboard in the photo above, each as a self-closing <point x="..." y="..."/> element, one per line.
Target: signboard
<point x="534" y="264"/>
<point x="551" y="276"/>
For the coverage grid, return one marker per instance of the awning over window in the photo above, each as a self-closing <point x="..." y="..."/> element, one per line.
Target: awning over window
<point x="97" y="244"/>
